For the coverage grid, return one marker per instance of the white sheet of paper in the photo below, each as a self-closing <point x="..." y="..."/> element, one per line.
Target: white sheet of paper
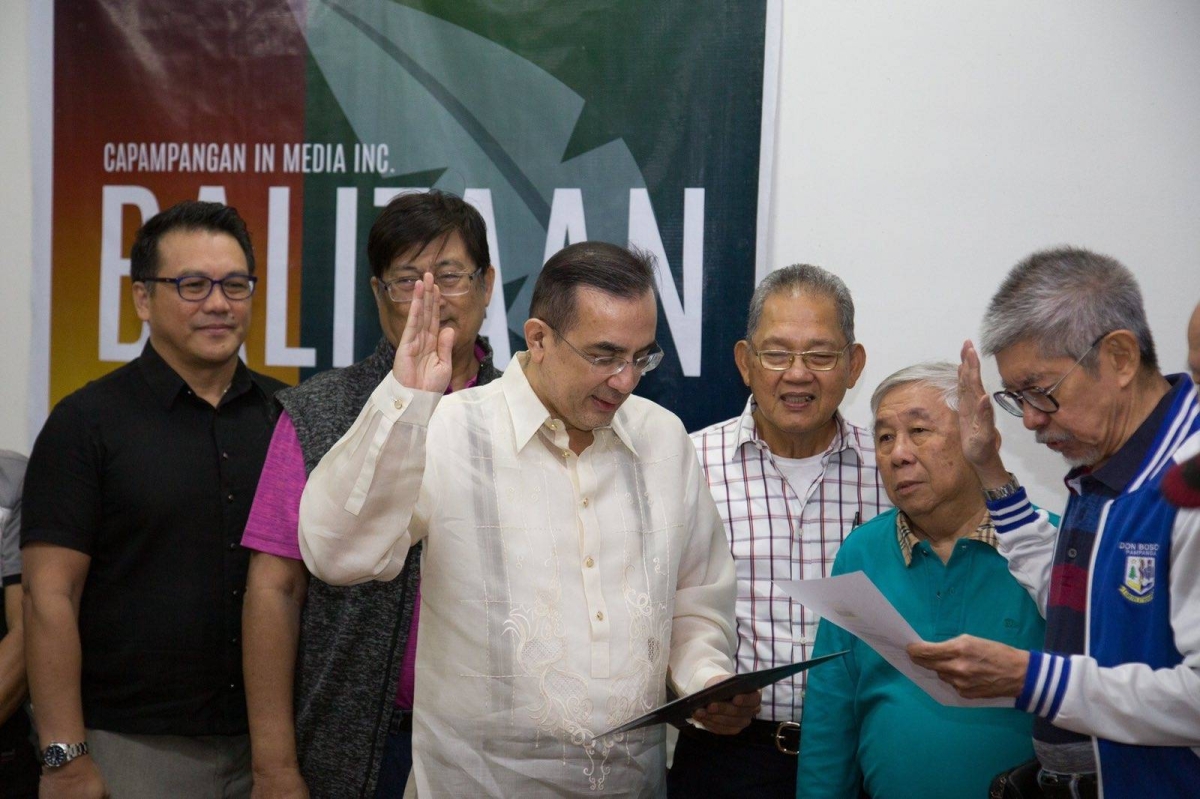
<point x="854" y="603"/>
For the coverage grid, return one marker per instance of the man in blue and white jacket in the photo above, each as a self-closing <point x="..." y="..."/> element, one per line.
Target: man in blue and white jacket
<point x="1116" y="689"/>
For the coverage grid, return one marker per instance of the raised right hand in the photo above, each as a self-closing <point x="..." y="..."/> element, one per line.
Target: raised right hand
<point x="977" y="422"/>
<point x="423" y="354"/>
<point x="79" y="779"/>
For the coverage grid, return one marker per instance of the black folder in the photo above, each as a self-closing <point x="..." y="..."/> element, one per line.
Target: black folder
<point x="681" y="709"/>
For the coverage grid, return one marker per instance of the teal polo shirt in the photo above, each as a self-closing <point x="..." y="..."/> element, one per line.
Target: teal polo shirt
<point x="867" y="725"/>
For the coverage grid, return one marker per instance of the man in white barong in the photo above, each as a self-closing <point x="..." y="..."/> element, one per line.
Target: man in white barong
<point x="574" y="559"/>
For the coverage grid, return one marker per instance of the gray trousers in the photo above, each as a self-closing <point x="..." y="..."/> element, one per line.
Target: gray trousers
<point x="158" y="766"/>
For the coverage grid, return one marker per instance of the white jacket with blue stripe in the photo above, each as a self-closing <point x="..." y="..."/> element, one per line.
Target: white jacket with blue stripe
<point x="1136" y="688"/>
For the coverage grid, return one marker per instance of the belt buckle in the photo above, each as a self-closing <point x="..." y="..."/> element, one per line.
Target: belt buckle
<point x="1071" y="783"/>
<point x="779" y="732"/>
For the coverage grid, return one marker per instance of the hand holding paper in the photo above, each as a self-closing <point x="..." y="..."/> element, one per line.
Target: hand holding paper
<point x="852" y="602"/>
<point x="976" y="667"/>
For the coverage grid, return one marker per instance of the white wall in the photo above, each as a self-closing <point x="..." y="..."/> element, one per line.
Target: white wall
<point x="923" y="148"/>
<point x="16" y="221"/>
<point x="926" y="147"/>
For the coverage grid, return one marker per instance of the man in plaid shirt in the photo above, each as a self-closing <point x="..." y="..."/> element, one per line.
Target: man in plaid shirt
<point x="791" y="477"/>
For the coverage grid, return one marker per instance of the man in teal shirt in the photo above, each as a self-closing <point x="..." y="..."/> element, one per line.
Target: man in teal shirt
<point x="867" y="728"/>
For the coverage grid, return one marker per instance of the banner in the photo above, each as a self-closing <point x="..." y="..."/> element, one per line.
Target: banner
<point x="635" y="123"/>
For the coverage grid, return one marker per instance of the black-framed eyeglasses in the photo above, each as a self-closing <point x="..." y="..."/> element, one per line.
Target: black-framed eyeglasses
<point x="1036" y="397"/>
<point x="197" y="288"/>
<point x="451" y="284"/>
<point x="609" y="365"/>
<point x="813" y="360"/>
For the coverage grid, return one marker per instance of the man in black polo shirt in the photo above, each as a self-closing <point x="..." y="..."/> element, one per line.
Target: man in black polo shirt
<point x="135" y="499"/>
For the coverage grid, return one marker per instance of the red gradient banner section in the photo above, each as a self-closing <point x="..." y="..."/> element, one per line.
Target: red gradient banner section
<point x="136" y="71"/>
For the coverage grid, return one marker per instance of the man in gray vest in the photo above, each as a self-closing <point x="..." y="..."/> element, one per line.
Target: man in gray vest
<point x="18" y="762"/>
<point x="329" y="670"/>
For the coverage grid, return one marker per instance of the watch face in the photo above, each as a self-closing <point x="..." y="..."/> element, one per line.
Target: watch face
<point x="55" y="755"/>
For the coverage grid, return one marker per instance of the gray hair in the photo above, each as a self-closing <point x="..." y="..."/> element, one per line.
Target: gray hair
<point x="939" y="375"/>
<point x="1063" y="300"/>
<point x="799" y="278"/>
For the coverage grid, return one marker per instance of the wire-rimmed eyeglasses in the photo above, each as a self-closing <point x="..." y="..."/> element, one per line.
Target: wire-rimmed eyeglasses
<point x="609" y="365"/>
<point x="1036" y="397"/>
<point x="451" y="284"/>
<point x="813" y="360"/>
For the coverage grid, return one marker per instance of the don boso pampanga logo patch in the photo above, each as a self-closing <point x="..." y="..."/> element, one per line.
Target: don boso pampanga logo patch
<point x="1141" y="564"/>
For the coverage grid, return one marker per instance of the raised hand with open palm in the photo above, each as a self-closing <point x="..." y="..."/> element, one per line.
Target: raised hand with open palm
<point x="423" y="354"/>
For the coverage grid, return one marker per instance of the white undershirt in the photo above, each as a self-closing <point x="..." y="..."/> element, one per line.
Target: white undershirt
<point x="801" y="473"/>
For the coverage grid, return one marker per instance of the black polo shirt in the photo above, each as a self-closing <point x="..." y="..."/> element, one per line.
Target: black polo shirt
<point x="155" y="485"/>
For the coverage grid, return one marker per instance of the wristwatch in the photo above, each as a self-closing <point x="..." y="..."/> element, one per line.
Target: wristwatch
<point x="1004" y="491"/>
<point x="57" y="755"/>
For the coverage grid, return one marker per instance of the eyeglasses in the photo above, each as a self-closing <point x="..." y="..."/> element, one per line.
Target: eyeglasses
<point x="451" y="284"/>
<point x="609" y="365"/>
<point x="197" y="288"/>
<point x="813" y="360"/>
<point x="1040" y="399"/>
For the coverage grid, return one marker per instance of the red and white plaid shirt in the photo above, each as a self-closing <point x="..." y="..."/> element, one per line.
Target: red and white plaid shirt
<point x="775" y="534"/>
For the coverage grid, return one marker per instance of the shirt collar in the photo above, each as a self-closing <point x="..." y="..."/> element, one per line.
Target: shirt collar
<point x="528" y="413"/>
<point x="747" y="434"/>
<point x="1120" y="470"/>
<point x="166" y="384"/>
<point x="908" y="540"/>
<point x="620" y="427"/>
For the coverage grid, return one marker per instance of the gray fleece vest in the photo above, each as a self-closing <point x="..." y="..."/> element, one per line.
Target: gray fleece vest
<point x="352" y="638"/>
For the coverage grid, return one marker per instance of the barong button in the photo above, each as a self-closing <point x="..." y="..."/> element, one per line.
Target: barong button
<point x="399" y="405"/>
<point x="589" y="562"/>
<point x="599" y="615"/>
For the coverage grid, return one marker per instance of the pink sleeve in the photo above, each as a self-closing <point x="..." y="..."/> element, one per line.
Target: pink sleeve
<point x="275" y="515"/>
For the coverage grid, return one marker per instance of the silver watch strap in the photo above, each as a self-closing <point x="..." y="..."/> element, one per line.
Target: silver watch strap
<point x="1004" y="491"/>
<point x="76" y="750"/>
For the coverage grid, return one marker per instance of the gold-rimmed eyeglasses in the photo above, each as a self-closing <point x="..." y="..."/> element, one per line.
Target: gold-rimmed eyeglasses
<point x="813" y="360"/>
